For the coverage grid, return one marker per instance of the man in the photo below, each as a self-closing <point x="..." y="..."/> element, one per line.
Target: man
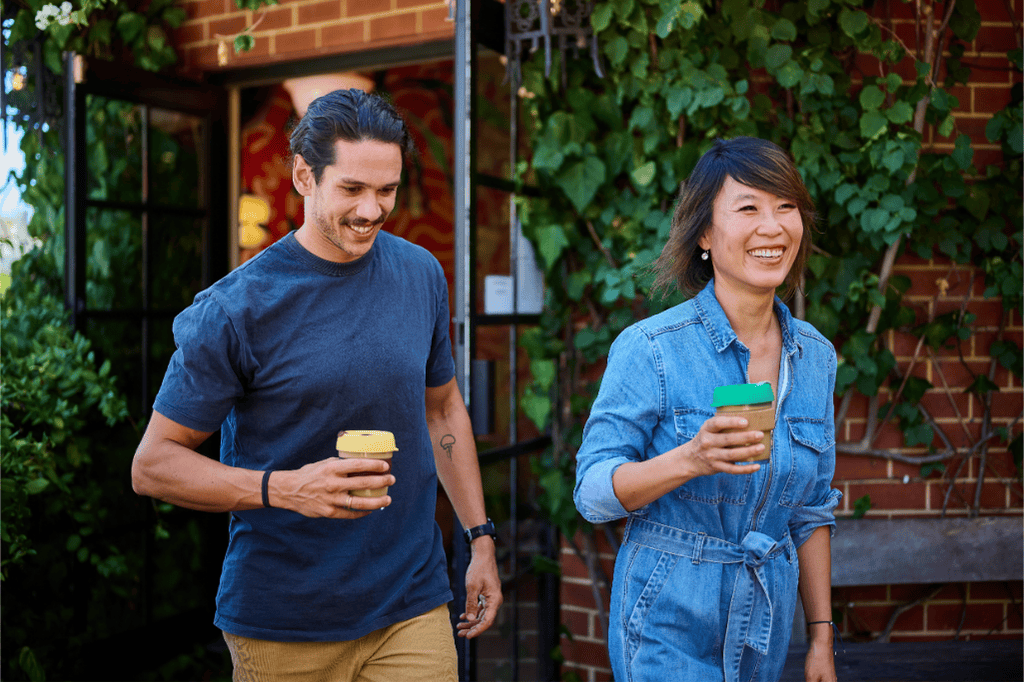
<point x="338" y="326"/>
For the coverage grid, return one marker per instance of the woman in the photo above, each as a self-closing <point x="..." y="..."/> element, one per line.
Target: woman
<point x="715" y="550"/>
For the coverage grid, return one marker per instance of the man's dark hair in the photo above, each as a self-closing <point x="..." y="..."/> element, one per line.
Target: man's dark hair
<point x="351" y="115"/>
<point x="749" y="161"/>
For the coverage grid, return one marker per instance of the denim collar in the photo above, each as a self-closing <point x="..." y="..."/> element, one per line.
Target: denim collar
<point x="711" y="315"/>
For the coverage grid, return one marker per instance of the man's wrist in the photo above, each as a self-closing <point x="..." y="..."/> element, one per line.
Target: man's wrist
<point x="483" y="530"/>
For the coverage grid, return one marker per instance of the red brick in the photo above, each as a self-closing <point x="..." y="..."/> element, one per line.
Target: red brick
<point x="890" y="496"/>
<point x="863" y="593"/>
<point x="988" y="157"/>
<point x="585" y="653"/>
<point x="273" y="19"/>
<point x="978" y="616"/>
<point x="994" y="495"/>
<point x="573" y="566"/>
<point x="338" y="35"/>
<point x="902" y="594"/>
<point x="228" y="27"/>
<point x="923" y="280"/>
<point x="937" y="403"/>
<point x="318" y="12"/>
<point x="295" y="41"/>
<point x="579" y="595"/>
<point x="888" y="437"/>
<point x="1000" y="590"/>
<point x="393" y="26"/>
<point x="999" y="39"/>
<point x="974" y="127"/>
<point x="875" y="618"/>
<point x="903" y="346"/>
<point x="415" y="4"/>
<point x="854" y="468"/>
<point x="578" y="622"/>
<point x="191" y="32"/>
<point x="357" y="8"/>
<point x="901" y="637"/>
<point x="208" y="8"/>
<point x="436" y="21"/>
<point x="994" y="70"/>
<point x="959" y="376"/>
<point x="260" y="50"/>
<point x="203" y="57"/>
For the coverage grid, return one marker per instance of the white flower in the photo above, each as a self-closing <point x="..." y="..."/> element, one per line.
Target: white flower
<point x="43" y="16"/>
<point x="66" y="8"/>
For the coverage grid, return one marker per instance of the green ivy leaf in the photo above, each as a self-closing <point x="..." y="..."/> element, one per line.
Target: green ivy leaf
<point x="853" y="21"/>
<point x="601" y="18"/>
<point x="244" y="42"/>
<point x="790" y="74"/>
<point x="784" y="29"/>
<point x="537" y="408"/>
<point x="872" y="123"/>
<point x="861" y="506"/>
<point x="900" y="112"/>
<point x="920" y="434"/>
<point x="30" y="665"/>
<point x="871" y="97"/>
<point x="644" y="175"/>
<point x="777" y="55"/>
<point x="130" y="25"/>
<point x="551" y="241"/>
<point x="36" y="486"/>
<point x="617" y="48"/>
<point x="963" y="153"/>
<point x="544" y="373"/>
<point x="581" y="180"/>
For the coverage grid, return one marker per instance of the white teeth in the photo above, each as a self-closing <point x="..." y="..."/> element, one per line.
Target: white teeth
<point x="766" y="253"/>
<point x="362" y="230"/>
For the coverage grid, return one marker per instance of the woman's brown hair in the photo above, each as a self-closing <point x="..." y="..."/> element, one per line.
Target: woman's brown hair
<point x="749" y="161"/>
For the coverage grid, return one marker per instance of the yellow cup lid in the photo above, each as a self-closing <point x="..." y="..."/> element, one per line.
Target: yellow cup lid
<point x="366" y="441"/>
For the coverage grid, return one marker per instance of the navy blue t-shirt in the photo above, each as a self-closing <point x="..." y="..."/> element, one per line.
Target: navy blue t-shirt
<point x="283" y="353"/>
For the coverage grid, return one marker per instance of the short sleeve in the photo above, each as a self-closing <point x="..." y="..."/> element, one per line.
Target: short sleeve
<point x="204" y="378"/>
<point x="621" y="424"/>
<point x="440" y="364"/>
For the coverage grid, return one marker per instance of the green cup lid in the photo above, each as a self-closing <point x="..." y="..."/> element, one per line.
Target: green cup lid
<point x="743" y="394"/>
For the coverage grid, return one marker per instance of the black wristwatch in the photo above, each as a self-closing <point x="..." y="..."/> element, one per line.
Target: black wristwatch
<point x="475" y="532"/>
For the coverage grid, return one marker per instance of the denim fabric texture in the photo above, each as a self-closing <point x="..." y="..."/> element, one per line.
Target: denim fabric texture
<point x="706" y="579"/>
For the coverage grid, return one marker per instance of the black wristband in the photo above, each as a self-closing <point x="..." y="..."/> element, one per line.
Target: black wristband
<point x="265" y="490"/>
<point x="818" y="622"/>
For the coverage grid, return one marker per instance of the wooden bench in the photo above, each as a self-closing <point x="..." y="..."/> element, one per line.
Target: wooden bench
<point x="922" y="551"/>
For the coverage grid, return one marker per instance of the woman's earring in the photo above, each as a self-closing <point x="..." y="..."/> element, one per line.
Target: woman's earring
<point x="704" y="256"/>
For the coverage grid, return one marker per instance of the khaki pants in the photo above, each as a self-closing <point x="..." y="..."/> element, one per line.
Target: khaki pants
<point x="421" y="648"/>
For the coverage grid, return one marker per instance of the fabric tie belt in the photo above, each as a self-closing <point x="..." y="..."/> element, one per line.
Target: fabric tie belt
<point x="750" y="612"/>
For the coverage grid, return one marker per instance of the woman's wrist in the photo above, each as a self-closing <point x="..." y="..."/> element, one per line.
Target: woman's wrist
<point x="819" y="631"/>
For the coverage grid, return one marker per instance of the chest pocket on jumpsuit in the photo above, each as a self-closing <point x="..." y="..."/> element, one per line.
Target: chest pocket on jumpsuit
<point x="807" y="442"/>
<point x="715" y="488"/>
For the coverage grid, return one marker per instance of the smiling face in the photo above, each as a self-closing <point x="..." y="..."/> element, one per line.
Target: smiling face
<point x="345" y="210"/>
<point x="754" y="238"/>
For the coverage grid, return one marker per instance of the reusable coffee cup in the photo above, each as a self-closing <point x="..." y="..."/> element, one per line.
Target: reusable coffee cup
<point x="367" y="445"/>
<point x="754" y="403"/>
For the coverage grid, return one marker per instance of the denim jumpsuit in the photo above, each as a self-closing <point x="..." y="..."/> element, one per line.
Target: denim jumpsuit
<point x="706" y="579"/>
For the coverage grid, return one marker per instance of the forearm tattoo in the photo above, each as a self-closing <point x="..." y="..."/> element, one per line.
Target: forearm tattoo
<point x="447" y="441"/>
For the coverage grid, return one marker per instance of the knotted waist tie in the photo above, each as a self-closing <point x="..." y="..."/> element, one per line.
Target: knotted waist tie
<point x="750" y="612"/>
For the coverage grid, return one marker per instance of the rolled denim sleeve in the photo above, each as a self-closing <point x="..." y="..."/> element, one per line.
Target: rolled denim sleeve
<point x="622" y="420"/>
<point x="823" y="500"/>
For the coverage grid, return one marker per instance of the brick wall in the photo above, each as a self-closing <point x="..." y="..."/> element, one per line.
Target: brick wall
<point x="302" y="29"/>
<point x="969" y="610"/>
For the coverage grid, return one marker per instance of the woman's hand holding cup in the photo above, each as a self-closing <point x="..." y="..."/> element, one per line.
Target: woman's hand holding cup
<point x="719" y="448"/>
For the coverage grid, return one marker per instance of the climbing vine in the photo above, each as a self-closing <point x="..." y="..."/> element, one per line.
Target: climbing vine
<point x="860" y="102"/>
